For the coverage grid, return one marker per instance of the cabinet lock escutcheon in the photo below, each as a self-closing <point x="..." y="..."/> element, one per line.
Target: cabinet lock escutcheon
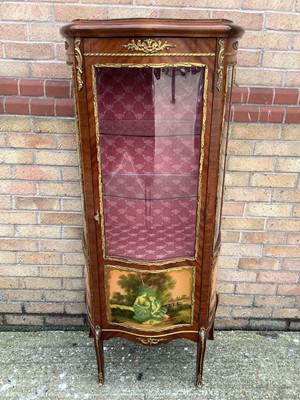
<point x="97" y="217"/>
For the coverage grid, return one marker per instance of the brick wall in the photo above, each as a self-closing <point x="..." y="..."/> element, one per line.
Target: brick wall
<point x="41" y="262"/>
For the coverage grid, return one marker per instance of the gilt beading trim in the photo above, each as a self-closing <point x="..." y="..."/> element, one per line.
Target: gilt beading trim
<point x="149" y="55"/>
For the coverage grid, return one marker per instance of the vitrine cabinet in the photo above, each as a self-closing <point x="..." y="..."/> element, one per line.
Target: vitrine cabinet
<point x="153" y="105"/>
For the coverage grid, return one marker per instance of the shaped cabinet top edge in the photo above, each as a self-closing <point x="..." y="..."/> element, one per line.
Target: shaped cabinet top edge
<point x="141" y="27"/>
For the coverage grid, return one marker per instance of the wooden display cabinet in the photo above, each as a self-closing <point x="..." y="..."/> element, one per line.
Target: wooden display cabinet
<point x="153" y="105"/>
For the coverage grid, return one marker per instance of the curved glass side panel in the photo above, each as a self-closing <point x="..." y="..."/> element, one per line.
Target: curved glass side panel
<point x="223" y="147"/>
<point x="150" y="123"/>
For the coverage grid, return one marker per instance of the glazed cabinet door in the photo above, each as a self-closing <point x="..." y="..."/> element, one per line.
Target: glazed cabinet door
<point x="149" y="120"/>
<point x="149" y="127"/>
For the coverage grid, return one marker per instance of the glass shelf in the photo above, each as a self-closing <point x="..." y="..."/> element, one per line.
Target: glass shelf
<point x="150" y="186"/>
<point x="151" y="155"/>
<point x="146" y="128"/>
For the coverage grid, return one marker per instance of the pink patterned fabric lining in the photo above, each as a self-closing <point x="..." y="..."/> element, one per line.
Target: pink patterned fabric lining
<point x="135" y="228"/>
<point x="157" y="243"/>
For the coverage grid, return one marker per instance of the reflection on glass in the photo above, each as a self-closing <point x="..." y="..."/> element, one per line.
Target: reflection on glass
<point x="150" y="129"/>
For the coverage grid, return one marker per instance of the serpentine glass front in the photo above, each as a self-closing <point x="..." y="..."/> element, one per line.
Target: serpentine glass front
<point x="150" y="128"/>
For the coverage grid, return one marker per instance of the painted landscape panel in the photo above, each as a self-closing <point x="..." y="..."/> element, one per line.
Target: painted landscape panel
<point x="150" y="300"/>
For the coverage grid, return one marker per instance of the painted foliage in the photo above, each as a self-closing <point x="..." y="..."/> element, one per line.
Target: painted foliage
<point x="150" y="300"/>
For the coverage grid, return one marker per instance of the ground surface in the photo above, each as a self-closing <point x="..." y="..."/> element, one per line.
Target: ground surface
<point x="61" y="365"/>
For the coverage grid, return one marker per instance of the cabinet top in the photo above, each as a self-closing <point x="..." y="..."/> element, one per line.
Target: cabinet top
<point x="140" y="27"/>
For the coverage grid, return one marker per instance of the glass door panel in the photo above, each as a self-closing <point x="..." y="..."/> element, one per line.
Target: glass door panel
<point x="150" y="122"/>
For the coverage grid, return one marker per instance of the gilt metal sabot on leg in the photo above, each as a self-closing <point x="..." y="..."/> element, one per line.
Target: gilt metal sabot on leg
<point x="200" y="358"/>
<point x="99" y="354"/>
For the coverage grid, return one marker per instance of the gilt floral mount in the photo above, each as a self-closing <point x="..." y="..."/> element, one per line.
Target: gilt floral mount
<point x="148" y="46"/>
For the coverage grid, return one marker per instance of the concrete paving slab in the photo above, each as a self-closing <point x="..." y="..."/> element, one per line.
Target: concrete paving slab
<point x="62" y="365"/>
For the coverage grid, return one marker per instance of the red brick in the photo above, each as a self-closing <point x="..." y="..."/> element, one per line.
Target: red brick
<point x="65" y="108"/>
<point x="240" y="95"/>
<point x="42" y="107"/>
<point x="246" y="114"/>
<point x="286" y="96"/>
<point x="260" y="96"/>
<point x="58" y="89"/>
<point x="17" y="106"/>
<point x="8" y="86"/>
<point x="271" y="114"/>
<point x="31" y="87"/>
<point x="292" y="115"/>
<point x="1" y="105"/>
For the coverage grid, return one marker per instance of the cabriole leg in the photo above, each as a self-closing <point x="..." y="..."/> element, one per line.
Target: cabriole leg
<point x="211" y="332"/>
<point x="200" y="357"/>
<point x="99" y="353"/>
